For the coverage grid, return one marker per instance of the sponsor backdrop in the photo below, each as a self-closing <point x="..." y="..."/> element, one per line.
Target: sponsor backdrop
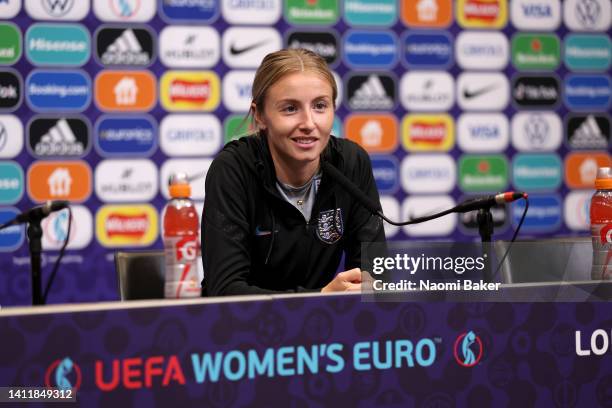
<point x="100" y="100"/>
<point x="332" y="351"/>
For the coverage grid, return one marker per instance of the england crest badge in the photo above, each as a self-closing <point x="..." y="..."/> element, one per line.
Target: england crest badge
<point x="330" y="227"/>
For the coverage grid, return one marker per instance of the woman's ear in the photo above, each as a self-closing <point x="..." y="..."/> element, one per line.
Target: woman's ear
<point x="257" y="115"/>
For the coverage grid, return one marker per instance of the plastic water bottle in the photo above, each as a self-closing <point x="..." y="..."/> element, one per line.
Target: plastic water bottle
<point x="601" y="225"/>
<point x="181" y="243"/>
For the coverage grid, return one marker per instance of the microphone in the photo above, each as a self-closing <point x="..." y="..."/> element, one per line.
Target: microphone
<point x="351" y="188"/>
<point x="37" y="213"/>
<point x="489" y="201"/>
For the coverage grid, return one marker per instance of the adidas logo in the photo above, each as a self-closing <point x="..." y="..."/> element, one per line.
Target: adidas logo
<point x="59" y="141"/>
<point x="125" y="50"/>
<point x="371" y="95"/>
<point x="588" y="135"/>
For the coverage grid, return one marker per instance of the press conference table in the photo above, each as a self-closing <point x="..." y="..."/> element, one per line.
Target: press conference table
<point x="526" y="345"/>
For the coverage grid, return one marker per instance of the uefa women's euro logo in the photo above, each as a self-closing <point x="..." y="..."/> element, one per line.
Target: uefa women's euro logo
<point x="63" y="374"/>
<point x="468" y="349"/>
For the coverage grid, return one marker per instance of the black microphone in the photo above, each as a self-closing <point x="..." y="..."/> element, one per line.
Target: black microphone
<point x="489" y="201"/>
<point x="351" y="188"/>
<point x="37" y="213"/>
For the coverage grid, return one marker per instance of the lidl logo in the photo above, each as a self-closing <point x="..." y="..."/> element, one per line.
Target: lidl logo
<point x="588" y="131"/>
<point x="126" y="225"/>
<point x="588" y="52"/>
<point x="370" y="49"/>
<point x="58" y="44"/>
<point x="67" y="136"/>
<point x="126" y="136"/>
<point x="544" y="214"/>
<point x="315" y="12"/>
<point x="130" y="46"/>
<point x="539" y="15"/>
<point x="588" y="92"/>
<point x="11" y="182"/>
<point x="428" y="132"/>
<point x="66" y="10"/>
<point x="55" y="229"/>
<point x="200" y="11"/>
<point x="370" y="12"/>
<point x="122" y="91"/>
<point x="11" y="136"/>
<point x="59" y="180"/>
<point x="483" y="173"/>
<point x="190" y="135"/>
<point x="236" y="126"/>
<point x="536" y="172"/>
<point x="125" y="11"/>
<point x="58" y="90"/>
<point x="9" y="8"/>
<point x="581" y="168"/>
<point x="536" y="51"/>
<point x="376" y="133"/>
<point x="427" y="50"/>
<point x="10" y="44"/>
<point x="190" y="90"/>
<point x="385" y="170"/>
<point x="427" y="13"/>
<point x="12" y="237"/>
<point x="482" y="13"/>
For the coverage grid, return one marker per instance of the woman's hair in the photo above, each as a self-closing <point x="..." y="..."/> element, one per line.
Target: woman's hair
<point x="278" y="64"/>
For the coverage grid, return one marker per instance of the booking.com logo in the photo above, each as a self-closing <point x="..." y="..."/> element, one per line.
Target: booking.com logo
<point x="468" y="349"/>
<point x="63" y="374"/>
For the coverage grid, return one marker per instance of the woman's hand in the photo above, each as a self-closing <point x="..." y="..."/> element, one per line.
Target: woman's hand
<point x="348" y="281"/>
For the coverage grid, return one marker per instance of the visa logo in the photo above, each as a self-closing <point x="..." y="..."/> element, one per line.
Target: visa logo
<point x="244" y="91"/>
<point x="484" y="132"/>
<point x="537" y="10"/>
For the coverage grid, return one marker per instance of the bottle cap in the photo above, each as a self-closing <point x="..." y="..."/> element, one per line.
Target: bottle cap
<point x="604" y="178"/>
<point x="178" y="185"/>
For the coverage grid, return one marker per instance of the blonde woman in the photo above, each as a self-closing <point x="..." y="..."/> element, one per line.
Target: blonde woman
<point x="273" y="220"/>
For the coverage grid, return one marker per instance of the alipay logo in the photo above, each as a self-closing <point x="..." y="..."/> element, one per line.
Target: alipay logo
<point x="427" y="50"/>
<point x="58" y="90"/>
<point x="121" y="135"/>
<point x="58" y="44"/>
<point x="370" y="49"/>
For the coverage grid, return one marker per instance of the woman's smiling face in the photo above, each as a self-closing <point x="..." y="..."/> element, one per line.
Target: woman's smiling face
<point x="297" y="116"/>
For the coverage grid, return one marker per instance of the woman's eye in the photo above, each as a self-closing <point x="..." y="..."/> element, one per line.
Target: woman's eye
<point x="289" y="109"/>
<point x="320" y="106"/>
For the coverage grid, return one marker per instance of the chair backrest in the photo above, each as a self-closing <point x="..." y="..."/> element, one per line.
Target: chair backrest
<point x="140" y="274"/>
<point x="545" y="260"/>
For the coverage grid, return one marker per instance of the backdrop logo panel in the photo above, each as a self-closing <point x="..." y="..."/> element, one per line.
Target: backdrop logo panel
<point x="68" y="136"/>
<point x="55" y="229"/>
<point x="536" y="14"/>
<point x="58" y="44"/>
<point x="483" y="132"/>
<point x="189" y="47"/>
<point x="588" y="92"/>
<point x="588" y="52"/>
<point x="58" y="91"/>
<point x="576" y="210"/>
<point x="126" y="180"/>
<point x="126" y="136"/>
<point x="546" y="215"/>
<point x="125" y="46"/>
<point x="133" y="11"/>
<point x="588" y="131"/>
<point x="482" y="13"/>
<point x="536" y="172"/>
<point x="11" y="136"/>
<point x="251" y="12"/>
<point x="434" y="132"/>
<point x="536" y="51"/>
<point x="587" y="15"/>
<point x="11" y="90"/>
<point x="581" y="168"/>
<point x="10" y="44"/>
<point x="370" y="12"/>
<point x="68" y="10"/>
<point x="536" y="131"/>
<point x="385" y="171"/>
<point x="9" y="8"/>
<point x="482" y="50"/>
<point x="483" y="173"/>
<point x="245" y="47"/>
<point x="370" y="49"/>
<point x="375" y="91"/>
<point x="324" y="43"/>
<point x="427" y="91"/>
<point x="484" y="91"/>
<point x="428" y="173"/>
<point x="201" y="11"/>
<point x="427" y="14"/>
<point x="190" y="135"/>
<point x="120" y="91"/>
<point x="190" y="91"/>
<point x="377" y="133"/>
<point x="59" y="180"/>
<point x="11" y="238"/>
<point x="11" y="182"/>
<point x="427" y="50"/>
<point x="417" y="206"/>
<point x="126" y="225"/>
<point x="308" y="12"/>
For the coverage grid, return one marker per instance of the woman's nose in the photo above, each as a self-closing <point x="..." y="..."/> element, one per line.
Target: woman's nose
<point x="307" y="120"/>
